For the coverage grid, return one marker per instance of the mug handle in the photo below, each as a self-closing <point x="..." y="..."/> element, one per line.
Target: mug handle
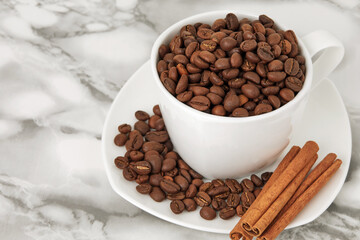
<point x="332" y="53"/>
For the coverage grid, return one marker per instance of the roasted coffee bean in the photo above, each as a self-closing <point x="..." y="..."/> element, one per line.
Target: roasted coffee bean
<point x="204" y="33"/>
<point x="236" y="83"/>
<point x="153" y="120"/>
<point x="227" y="213"/>
<point x="136" y="155"/>
<point x="218" y="24"/>
<point x="285" y="46"/>
<point x="168" y="164"/>
<point x="217" y="182"/>
<point x="248" y="45"/>
<point x="287" y="94"/>
<point x="124" y="128"/>
<point x="169" y="186"/>
<point x="129" y="174"/>
<point x="252" y="76"/>
<point x="214" y="98"/>
<point x="176" y="196"/>
<point x="186" y="175"/>
<point x="197" y="182"/>
<point x="190" y="204"/>
<point x="222" y="63"/>
<point x="256" y="180"/>
<point x="247" y="185"/>
<point x="185" y="96"/>
<point x="155" y="162"/>
<point x="257" y="192"/>
<point x="181" y="59"/>
<point x="233" y="200"/>
<point x="199" y="91"/>
<point x="274" y="101"/>
<point x="243" y="99"/>
<point x="274" y="39"/>
<point x="191" y="191"/>
<point x="157" y="136"/>
<point x="250" y="106"/>
<point x="142" y="127"/>
<point x="233" y="185"/>
<point x="194" y="174"/>
<point x="247" y="198"/>
<point x="218" y="204"/>
<point x="121" y="162"/>
<point x="144" y="188"/>
<point x="208" y="45"/>
<point x="252" y="57"/>
<point x="161" y="66"/>
<point x="207" y="213"/>
<point x="182" y="84"/>
<point x="240" y="112"/>
<point x="248" y="66"/>
<point x="163" y="49"/>
<point x="177" y="206"/>
<point x="200" y="103"/>
<point x="265" y="176"/>
<point x="262" y="108"/>
<point x="194" y="78"/>
<point x="207" y="56"/>
<point x="230" y="73"/>
<point x="202" y="199"/>
<point x="293" y="83"/>
<point x="228" y="43"/>
<point x="217" y="37"/>
<point x="157" y="194"/>
<point x="182" y="182"/>
<point x="155" y="179"/>
<point x="268" y="22"/>
<point x="135" y="142"/>
<point x="291" y="66"/>
<point x="240" y="210"/>
<point x="148" y="146"/>
<point x="271" y="90"/>
<point x="140" y="179"/>
<point x="265" y="54"/>
<point x="250" y="91"/>
<point x="120" y="139"/>
<point x="276" y="76"/>
<point x="218" y="190"/>
<point x="232" y="21"/>
<point x="182" y="164"/>
<point x="172" y="155"/>
<point x="160" y="124"/>
<point x="170" y="85"/>
<point x="231" y="102"/>
<point x="275" y="65"/>
<point x="141" y="115"/>
<point x="141" y="167"/>
<point x="261" y="69"/>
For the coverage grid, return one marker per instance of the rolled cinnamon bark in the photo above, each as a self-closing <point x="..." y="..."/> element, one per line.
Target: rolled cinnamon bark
<point x="264" y="201"/>
<point x="278" y="226"/>
<point x="266" y="219"/>
<point x="314" y="174"/>
<point x="238" y="230"/>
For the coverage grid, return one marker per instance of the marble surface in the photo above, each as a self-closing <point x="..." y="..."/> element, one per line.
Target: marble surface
<point x="62" y="63"/>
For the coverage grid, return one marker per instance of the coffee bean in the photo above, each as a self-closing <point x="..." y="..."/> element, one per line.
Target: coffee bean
<point x="163" y="49"/>
<point x="141" y="167"/>
<point x="218" y="90"/>
<point x="208" y="45"/>
<point x="182" y="84"/>
<point x="248" y="45"/>
<point x="217" y="37"/>
<point x="195" y="174"/>
<point x="191" y="191"/>
<point x="182" y="182"/>
<point x="200" y="103"/>
<point x="153" y="120"/>
<point x="121" y="162"/>
<point x="185" y="96"/>
<point x="240" y="112"/>
<point x="265" y="176"/>
<point x="250" y="91"/>
<point x="262" y="108"/>
<point x="236" y="83"/>
<point x="168" y="164"/>
<point x="293" y="83"/>
<point x="176" y="196"/>
<point x="274" y="101"/>
<point x="177" y="206"/>
<point x="199" y="91"/>
<point x="207" y="213"/>
<point x="140" y="179"/>
<point x="155" y="179"/>
<point x="268" y="22"/>
<point x="190" y="204"/>
<point x="161" y="66"/>
<point x="142" y="127"/>
<point x="227" y="213"/>
<point x="232" y="21"/>
<point x="204" y="33"/>
<point x="247" y="198"/>
<point x="274" y="39"/>
<point x="124" y="128"/>
<point x="135" y="142"/>
<point x="230" y="73"/>
<point x="120" y="139"/>
<point x="287" y="94"/>
<point x="217" y="182"/>
<point x="250" y="106"/>
<point x="218" y="204"/>
<point x="271" y="90"/>
<point x="157" y="194"/>
<point x="265" y="54"/>
<point x="214" y="98"/>
<point x="197" y="182"/>
<point x="129" y="174"/>
<point x="252" y="57"/>
<point x="276" y="76"/>
<point x="207" y="56"/>
<point x="231" y="102"/>
<point x="256" y="180"/>
<point x="247" y="185"/>
<point x="257" y="192"/>
<point x="157" y="136"/>
<point x="144" y="188"/>
<point x="169" y="186"/>
<point x="169" y="85"/>
<point x="233" y="200"/>
<point x="240" y="210"/>
<point x="252" y="76"/>
<point x="248" y="66"/>
<point x="202" y="199"/>
<point x="285" y="47"/>
<point x="275" y="65"/>
<point x="218" y="24"/>
<point x="136" y="155"/>
<point x="218" y="190"/>
<point x="228" y="43"/>
<point x="291" y="66"/>
<point x="155" y="162"/>
<point x="222" y="63"/>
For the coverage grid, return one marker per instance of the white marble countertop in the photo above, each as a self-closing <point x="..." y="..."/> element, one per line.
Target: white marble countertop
<point x="62" y="63"/>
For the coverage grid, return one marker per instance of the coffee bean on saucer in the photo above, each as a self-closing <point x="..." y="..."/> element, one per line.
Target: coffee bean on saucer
<point x="265" y="176"/>
<point x="202" y="199"/>
<point x="157" y="194"/>
<point x="247" y="198"/>
<point x="120" y="139"/>
<point x="124" y="128"/>
<point x="207" y="213"/>
<point x="177" y="206"/>
<point x="227" y="213"/>
<point x="144" y="188"/>
<point x="121" y="162"/>
<point x="190" y="204"/>
<point x="256" y="180"/>
<point x="141" y="115"/>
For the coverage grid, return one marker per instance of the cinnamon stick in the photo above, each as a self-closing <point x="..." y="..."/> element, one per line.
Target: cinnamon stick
<point x="280" y="202"/>
<point x="279" y="225"/>
<point x="237" y="230"/>
<point x="264" y="201"/>
<point x="314" y="174"/>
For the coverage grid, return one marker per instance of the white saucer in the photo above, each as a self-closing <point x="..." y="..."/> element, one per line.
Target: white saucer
<point x="325" y="121"/>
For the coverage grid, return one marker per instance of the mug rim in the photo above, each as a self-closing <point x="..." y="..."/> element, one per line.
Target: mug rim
<point x="192" y="20"/>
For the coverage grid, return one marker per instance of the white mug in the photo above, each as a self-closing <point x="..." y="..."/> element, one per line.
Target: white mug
<point x="227" y="147"/>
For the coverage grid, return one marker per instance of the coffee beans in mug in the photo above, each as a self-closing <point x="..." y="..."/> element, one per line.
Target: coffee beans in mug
<point x="232" y="67"/>
<point x="159" y="171"/>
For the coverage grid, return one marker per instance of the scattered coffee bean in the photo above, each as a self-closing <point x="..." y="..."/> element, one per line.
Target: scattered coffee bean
<point x="177" y="206"/>
<point x="207" y="213"/>
<point x="144" y="188"/>
<point x="227" y="213"/>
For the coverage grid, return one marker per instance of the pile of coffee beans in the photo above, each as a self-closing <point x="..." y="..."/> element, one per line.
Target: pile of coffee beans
<point x="159" y="171"/>
<point x="233" y="68"/>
